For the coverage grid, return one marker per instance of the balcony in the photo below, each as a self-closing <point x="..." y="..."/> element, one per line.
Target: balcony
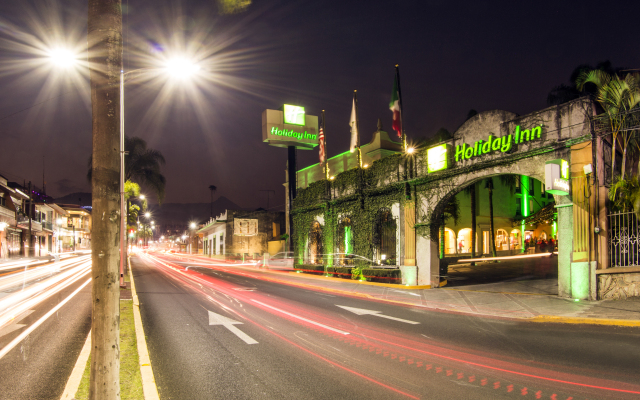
<point x="5" y="212"/>
<point x="47" y="225"/>
<point x="23" y="222"/>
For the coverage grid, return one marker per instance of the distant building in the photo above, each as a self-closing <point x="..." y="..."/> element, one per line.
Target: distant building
<point x="251" y="233"/>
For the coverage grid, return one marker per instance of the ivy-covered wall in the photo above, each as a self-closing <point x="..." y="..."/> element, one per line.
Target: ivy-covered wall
<point x="357" y="193"/>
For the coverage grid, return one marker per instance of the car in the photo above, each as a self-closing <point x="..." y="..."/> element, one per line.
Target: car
<point x="282" y="260"/>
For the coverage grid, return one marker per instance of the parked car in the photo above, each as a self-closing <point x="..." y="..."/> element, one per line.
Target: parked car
<point x="283" y="260"/>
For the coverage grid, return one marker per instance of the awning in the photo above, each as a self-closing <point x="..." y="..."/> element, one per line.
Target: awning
<point x="546" y="214"/>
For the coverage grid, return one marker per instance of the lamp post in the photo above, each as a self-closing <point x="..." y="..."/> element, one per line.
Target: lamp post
<point x="193" y="233"/>
<point x="178" y="66"/>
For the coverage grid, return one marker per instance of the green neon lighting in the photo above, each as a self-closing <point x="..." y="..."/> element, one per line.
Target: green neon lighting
<point x="331" y="158"/>
<point x="580" y="280"/>
<point x="564" y="169"/>
<point x="293" y="134"/>
<point x="437" y="158"/>
<point x="294" y="115"/>
<point x="502" y="144"/>
<point x="524" y="183"/>
<point x="347" y="240"/>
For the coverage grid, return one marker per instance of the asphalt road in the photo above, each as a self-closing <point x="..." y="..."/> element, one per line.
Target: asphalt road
<point x="274" y="341"/>
<point x="38" y="365"/>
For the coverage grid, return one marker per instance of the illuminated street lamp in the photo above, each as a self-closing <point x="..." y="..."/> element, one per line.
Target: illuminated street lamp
<point x="177" y="67"/>
<point x="62" y="57"/>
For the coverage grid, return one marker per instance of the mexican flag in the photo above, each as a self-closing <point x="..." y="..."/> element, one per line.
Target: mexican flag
<point x="394" y="106"/>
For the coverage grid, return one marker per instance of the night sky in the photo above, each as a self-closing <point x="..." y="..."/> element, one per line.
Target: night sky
<point x="453" y="57"/>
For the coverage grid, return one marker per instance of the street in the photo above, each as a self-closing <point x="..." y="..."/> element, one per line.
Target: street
<point x="218" y="330"/>
<point x="45" y="316"/>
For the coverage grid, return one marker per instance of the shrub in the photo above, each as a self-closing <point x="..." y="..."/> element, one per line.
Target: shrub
<point x="317" y="269"/>
<point x="341" y="272"/>
<point x="382" y="275"/>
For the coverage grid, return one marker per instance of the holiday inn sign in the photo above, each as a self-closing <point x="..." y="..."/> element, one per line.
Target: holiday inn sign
<point x="438" y="156"/>
<point x="290" y="126"/>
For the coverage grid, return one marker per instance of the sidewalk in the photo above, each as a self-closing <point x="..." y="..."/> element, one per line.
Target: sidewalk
<point x="527" y="298"/>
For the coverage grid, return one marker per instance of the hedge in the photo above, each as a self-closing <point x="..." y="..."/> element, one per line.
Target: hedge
<point x="340" y="272"/>
<point x="382" y="275"/>
<point x="310" y="268"/>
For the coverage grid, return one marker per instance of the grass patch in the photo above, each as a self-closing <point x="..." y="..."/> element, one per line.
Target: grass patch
<point x="130" y="380"/>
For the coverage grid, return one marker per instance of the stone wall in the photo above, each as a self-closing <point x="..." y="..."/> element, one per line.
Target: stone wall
<point x="618" y="286"/>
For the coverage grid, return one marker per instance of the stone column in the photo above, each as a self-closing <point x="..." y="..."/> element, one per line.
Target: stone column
<point x="564" y="207"/>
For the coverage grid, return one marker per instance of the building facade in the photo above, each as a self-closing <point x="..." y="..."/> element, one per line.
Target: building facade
<point x="393" y="211"/>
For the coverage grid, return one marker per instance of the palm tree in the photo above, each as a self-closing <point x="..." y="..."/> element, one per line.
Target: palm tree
<point x="625" y="194"/>
<point x="451" y="210"/>
<point x="508" y="181"/>
<point x="617" y="97"/>
<point x="565" y="93"/>
<point x="213" y="189"/>
<point x="142" y="165"/>
<point x="471" y="191"/>
<point x="488" y="184"/>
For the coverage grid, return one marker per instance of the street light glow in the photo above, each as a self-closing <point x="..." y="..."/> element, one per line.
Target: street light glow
<point x="147" y="214"/>
<point x="141" y="197"/>
<point x="193" y="225"/>
<point x="62" y="57"/>
<point x="181" y="67"/>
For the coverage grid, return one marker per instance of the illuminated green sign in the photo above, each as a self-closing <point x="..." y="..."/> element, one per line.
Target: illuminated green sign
<point x="293" y="134"/>
<point x="556" y="179"/>
<point x="437" y="158"/>
<point x="293" y="115"/>
<point x="504" y="144"/>
<point x="564" y="169"/>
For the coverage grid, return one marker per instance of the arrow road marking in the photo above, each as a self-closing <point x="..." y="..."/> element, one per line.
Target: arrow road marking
<point x="361" y="311"/>
<point x="14" y="325"/>
<point x="302" y="318"/>
<point x="217" y="319"/>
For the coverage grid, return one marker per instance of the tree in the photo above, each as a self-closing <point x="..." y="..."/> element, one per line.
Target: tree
<point x="508" y="181"/>
<point x="565" y="93"/>
<point x="471" y="191"/>
<point x="213" y="189"/>
<point x="451" y="210"/>
<point x="625" y="194"/>
<point x="617" y="96"/>
<point x="104" y="38"/>
<point x="142" y="165"/>
<point x="488" y="184"/>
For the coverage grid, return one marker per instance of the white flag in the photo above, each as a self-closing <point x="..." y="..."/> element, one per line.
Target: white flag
<point x="354" y="127"/>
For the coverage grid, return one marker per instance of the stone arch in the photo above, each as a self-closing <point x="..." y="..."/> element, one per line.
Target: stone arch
<point x="314" y="243"/>
<point x="385" y="229"/>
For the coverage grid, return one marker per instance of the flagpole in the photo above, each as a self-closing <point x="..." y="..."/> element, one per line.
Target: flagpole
<point x="355" y="99"/>
<point x="324" y="145"/>
<point x="404" y="135"/>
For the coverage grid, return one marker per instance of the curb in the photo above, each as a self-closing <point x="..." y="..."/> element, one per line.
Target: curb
<point x="146" y="372"/>
<point x="75" y="378"/>
<point x="585" y="321"/>
<point x="537" y="319"/>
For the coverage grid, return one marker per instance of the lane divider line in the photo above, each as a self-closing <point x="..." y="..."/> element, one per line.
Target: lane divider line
<point x="39" y="322"/>
<point x="301" y="318"/>
<point x="149" y="388"/>
<point x="78" y="370"/>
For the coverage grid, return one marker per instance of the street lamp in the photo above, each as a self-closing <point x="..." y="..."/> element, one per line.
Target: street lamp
<point x="172" y="67"/>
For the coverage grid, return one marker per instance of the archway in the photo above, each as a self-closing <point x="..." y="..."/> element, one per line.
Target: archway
<point x="384" y="238"/>
<point x="315" y="243"/>
<point x="344" y="240"/>
<point x="515" y="199"/>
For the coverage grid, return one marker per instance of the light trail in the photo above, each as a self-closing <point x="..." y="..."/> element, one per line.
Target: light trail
<point x="39" y="322"/>
<point x="393" y="342"/>
<point x="19" y="302"/>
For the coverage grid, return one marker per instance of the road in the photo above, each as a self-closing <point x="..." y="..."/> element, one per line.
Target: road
<point x="224" y="331"/>
<point x="45" y="316"/>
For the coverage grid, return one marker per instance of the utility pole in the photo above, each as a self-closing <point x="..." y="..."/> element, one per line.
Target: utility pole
<point x="104" y="37"/>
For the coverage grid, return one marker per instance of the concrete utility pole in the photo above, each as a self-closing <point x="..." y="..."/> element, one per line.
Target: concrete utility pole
<point x="105" y="59"/>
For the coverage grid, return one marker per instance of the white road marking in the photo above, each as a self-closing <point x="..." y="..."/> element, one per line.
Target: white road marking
<point x="14" y="325"/>
<point x="39" y="322"/>
<point x="301" y="318"/>
<point x="217" y="319"/>
<point x="361" y="311"/>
